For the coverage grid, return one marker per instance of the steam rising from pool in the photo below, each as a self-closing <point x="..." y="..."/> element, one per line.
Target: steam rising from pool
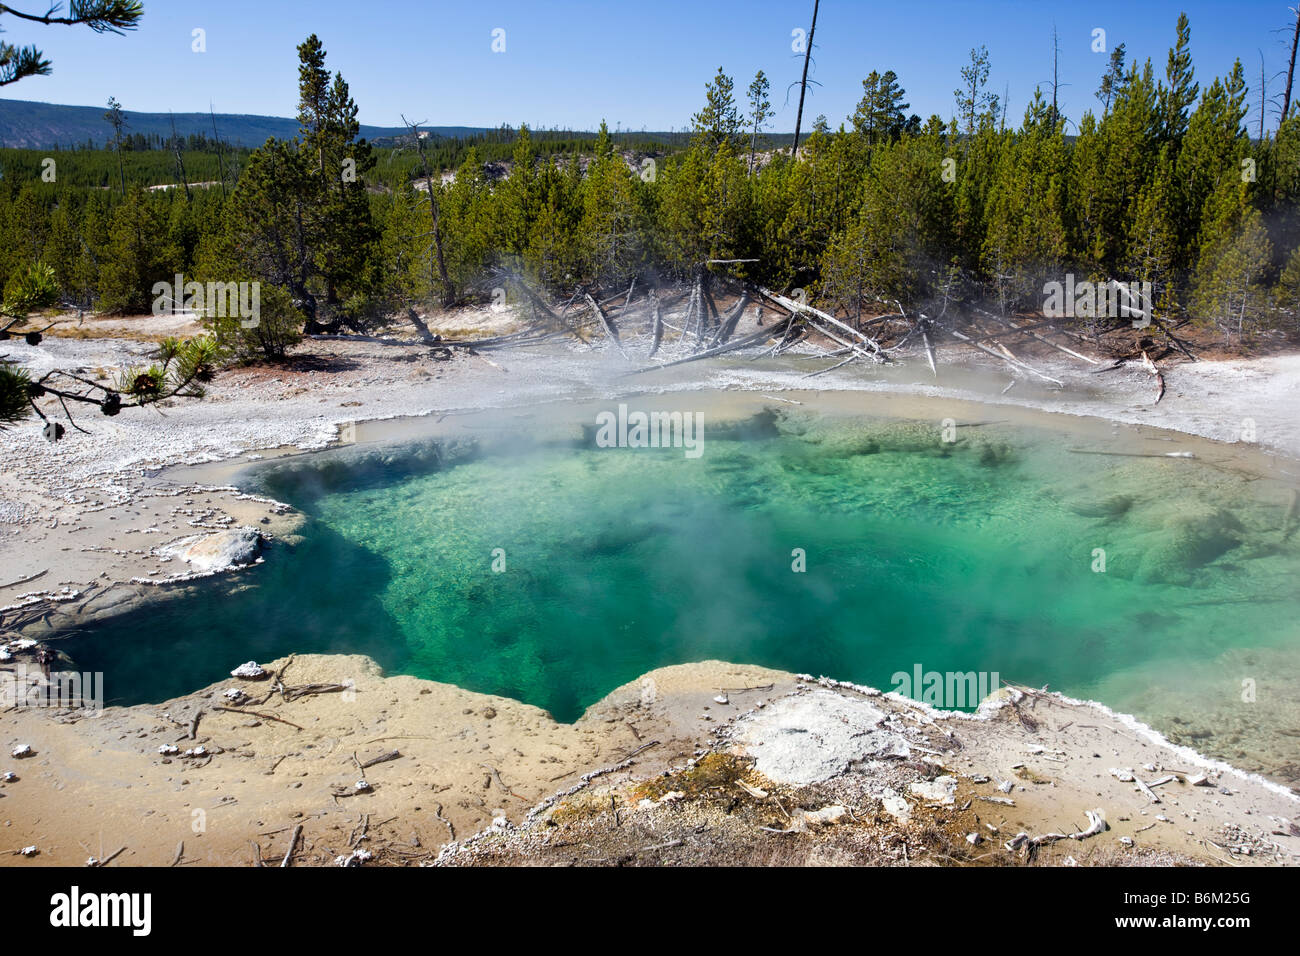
<point x="551" y="569"/>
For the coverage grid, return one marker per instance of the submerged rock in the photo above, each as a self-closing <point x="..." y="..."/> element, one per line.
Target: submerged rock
<point x="1111" y="506"/>
<point x="1189" y="538"/>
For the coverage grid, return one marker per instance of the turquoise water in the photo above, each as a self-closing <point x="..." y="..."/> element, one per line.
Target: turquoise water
<point x="976" y="555"/>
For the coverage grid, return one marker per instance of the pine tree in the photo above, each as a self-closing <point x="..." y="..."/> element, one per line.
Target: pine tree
<point x="607" y="230"/>
<point x="1112" y="79"/>
<point x="718" y="122"/>
<point x="117" y="120"/>
<point x="553" y="247"/>
<point x="880" y="114"/>
<point x="1209" y="167"/>
<point x="1153" y="252"/>
<point x="344" y="233"/>
<point x="1180" y="94"/>
<point x="760" y="111"/>
<point x="468" y="213"/>
<point x="1026" y="236"/>
<point x="1230" y="289"/>
<point x="137" y="255"/>
<point x="102" y="16"/>
<point x="974" y="104"/>
<point x="516" y="197"/>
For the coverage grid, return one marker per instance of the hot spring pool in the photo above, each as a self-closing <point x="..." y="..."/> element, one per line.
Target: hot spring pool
<point x="529" y="562"/>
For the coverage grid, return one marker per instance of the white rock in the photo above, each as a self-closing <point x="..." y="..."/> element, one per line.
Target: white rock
<point x="826" y="815"/>
<point x="219" y="550"/>
<point x="249" y="671"/>
<point x="22" y="750"/>
<point x="941" y="790"/>
<point x="29" y="851"/>
<point x="169" y="749"/>
<point x="895" y="805"/>
<point x="816" y="736"/>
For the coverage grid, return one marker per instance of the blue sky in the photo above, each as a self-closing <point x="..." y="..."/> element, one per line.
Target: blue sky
<point x="570" y="63"/>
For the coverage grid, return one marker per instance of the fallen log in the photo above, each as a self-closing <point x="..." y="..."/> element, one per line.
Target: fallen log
<point x="1034" y="335"/>
<point x="382" y="758"/>
<point x="1016" y="362"/>
<point x="1150" y="366"/>
<point x="604" y="321"/>
<point x="258" y="714"/>
<point x="727" y="325"/>
<point x="794" y="307"/>
<point x="658" y="329"/>
<point x="293" y="843"/>
<point x="929" y="351"/>
<point x="1096" y="824"/>
<point x="748" y="340"/>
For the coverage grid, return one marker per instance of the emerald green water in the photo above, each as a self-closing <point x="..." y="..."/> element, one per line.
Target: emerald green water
<point x="976" y="555"/>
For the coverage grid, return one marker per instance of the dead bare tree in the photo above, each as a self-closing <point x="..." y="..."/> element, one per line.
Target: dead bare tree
<point x="803" y="83"/>
<point x="180" y="156"/>
<point x="1290" y="66"/>
<point x="448" y="292"/>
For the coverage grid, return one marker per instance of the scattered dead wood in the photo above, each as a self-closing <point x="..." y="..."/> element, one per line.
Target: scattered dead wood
<point x="1028" y="330"/>
<point x="643" y="747"/>
<point x="825" y="318"/>
<point x="496" y="775"/>
<point x="658" y="334"/>
<point x="1004" y="358"/>
<point x="29" y="578"/>
<point x="929" y="348"/>
<point x="1150" y="366"/>
<point x="293" y="843"/>
<point x="1146" y="790"/>
<point x="259" y="714"/>
<point x="1027" y="722"/>
<point x="437" y="813"/>
<point x="382" y="758"/>
<point x="304" y="690"/>
<point x="1096" y="824"/>
<point x="752" y="339"/>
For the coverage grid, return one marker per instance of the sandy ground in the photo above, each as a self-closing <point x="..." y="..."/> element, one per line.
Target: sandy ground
<point x="469" y="765"/>
<point x="82" y="519"/>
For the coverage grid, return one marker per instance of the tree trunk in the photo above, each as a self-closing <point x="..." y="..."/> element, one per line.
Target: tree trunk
<point x="803" y="84"/>
<point x="1290" y="70"/>
<point x="448" y="293"/>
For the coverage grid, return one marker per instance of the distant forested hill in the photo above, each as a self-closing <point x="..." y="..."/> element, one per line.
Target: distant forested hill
<point x="29" y="125"/>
